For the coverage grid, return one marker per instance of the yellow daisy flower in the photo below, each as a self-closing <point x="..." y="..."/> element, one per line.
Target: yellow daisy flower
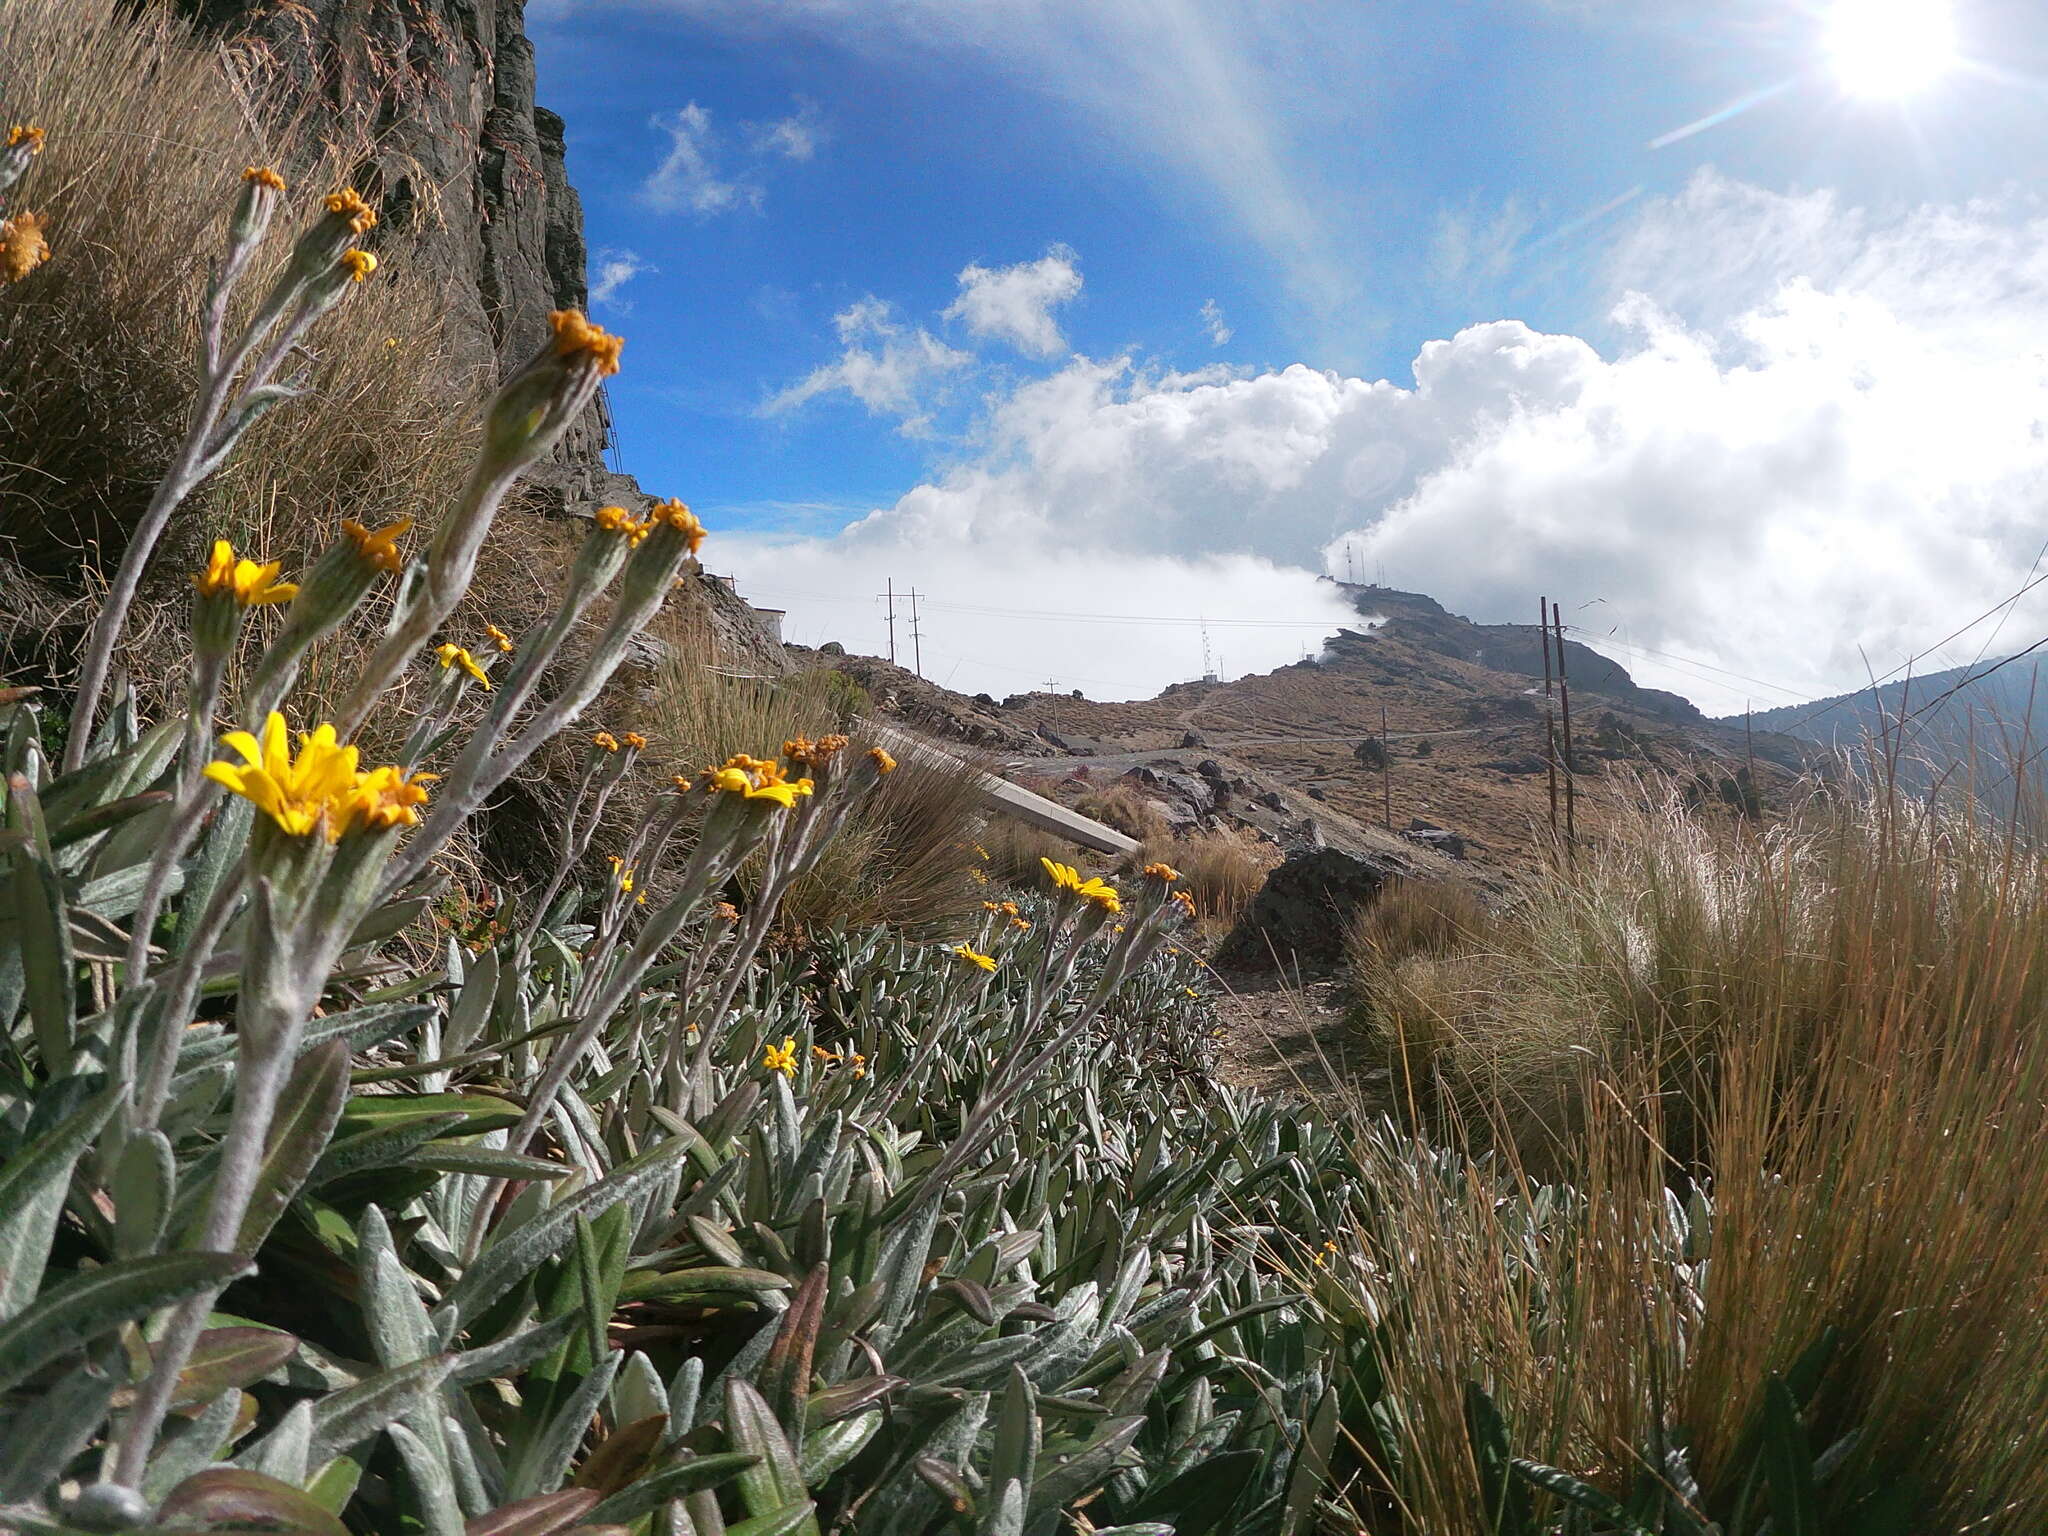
<point x="453" y="655"/>
<point x="249" y="584"/>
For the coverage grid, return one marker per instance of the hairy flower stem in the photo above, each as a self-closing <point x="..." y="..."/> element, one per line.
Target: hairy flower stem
<point x="195" y="796"/>
<point x="220" y="415"/>
<point x="181" y="988"/>
<point x="264" y="1065"/>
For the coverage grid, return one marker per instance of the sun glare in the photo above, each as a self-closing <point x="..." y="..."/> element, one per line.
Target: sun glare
<point x="1890" y="48"/>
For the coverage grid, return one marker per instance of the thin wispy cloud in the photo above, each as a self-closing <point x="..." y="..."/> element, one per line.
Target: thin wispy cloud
<point x="615" y="269"/>
<point x="688" y="180"/>
<point x="795" y="137"/>
<point x="1232" y="98"/>
<point x="709" y="171"/>
<point x="1213" y="322"/>
<point x="892" y="368"/>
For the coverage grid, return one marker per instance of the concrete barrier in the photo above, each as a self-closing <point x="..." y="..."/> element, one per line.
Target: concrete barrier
<point x="1001" y="796"/>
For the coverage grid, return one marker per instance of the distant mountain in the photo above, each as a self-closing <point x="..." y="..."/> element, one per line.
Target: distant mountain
<point x="1415" y="727"/>
<point x="1968" y="724"/>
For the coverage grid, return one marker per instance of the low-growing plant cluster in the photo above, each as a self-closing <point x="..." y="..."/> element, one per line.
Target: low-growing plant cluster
<point x="614" y="1220"/>
<point x="334" y="1200"/>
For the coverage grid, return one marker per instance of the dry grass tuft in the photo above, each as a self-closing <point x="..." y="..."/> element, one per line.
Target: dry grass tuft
<point x="1015" y="847"/>
<point x="907" y="857"/>
<point x="148" y="133"/>
<point x="1223" y="869"/>
<point x="1834" y="1028"/>
<point x="1125" y="808"/>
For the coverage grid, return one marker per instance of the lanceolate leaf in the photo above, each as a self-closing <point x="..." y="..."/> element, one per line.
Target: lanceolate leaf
<point x="44" y="938"/>
<point x="307" y="1115"/>
<point x="342" y="1418"/>
<point x="542" y="1515"/>
<point x="511" y="1259"/>
<point x="751" y="1428"/>
<point x="235" y="1498"/>
<point x="697" y="1475"/>
<point x="80" y="1309"/>
<point x="33" y="1184"/>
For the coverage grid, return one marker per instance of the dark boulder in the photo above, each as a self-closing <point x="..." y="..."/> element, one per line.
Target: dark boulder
<point x="1299" y="916"/>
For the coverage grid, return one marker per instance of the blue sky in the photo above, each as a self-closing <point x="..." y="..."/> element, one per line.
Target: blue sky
<point x="1157" y="307"/>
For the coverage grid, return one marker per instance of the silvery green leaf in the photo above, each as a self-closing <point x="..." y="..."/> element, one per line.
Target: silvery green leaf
<point x="33" y="1184"/>
<point x="510" y="1355"/>
<point x="283" y="1452"/>
<point x="776" y="1482"/>
<point x="638" y="1392"/>
<point x="341" y="1419"/>
<point x="1059" y="1485"/>
<point x="379" y="1146"/>
<point x="81" y="1308"/>
<point x="44" y="943"/>
<point x="393" y="1314"/>
<point x="307" y="1114"/>
<point x="831" y="1448"/>
<point x="193" y="1098"/>
<point x="143" y="1184"/>
<point x="699" y="1474"/>
<point x="1018" y="1437"/>
<point x="115" y="896"/>
<point x="1006" y="1511"/>
<point x="547" y="1458"/>
<point x="190" y="1444"/>
<point x="477" y="991"/>
<point x="48" y="1433"/>
<point x="432" y="1479"/>
<point x="509" y="1260"/>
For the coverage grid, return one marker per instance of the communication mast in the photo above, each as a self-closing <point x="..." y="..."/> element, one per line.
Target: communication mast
<point x="1208" y="657"/>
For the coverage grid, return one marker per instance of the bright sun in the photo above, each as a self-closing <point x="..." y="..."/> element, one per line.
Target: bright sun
<point x="1890" y="48"/>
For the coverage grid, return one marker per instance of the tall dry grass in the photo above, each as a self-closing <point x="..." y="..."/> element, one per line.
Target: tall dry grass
<point x="1223" y="870"/>
<point x="149" y="129"/>
<point x="1834" y="1032"/>
<point x="906" y="859"/>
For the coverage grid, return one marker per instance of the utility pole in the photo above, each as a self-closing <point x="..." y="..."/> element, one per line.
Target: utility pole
<point x="891" y="596"/>
<point x="1549" y="709"/>
<point x="916" y="635"/>
<point x="1386" y="772"/>
<point x="1564" y="700"/>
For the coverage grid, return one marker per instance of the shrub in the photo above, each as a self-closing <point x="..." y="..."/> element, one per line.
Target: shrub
<point x="1222" y="869"/>
<point x="1127" y="809"/>
<point x="1810" y="1053"/>
<point x="586" y="1225"/>
<point x="903" y="858"/>
<point x="1014" y="849"/>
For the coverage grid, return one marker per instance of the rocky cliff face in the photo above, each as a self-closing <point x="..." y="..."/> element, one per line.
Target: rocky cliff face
<point x="471" y="169"/>
<point x="466" y="163"/>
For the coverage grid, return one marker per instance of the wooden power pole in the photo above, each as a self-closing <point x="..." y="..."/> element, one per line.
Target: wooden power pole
<point x="1549" y="709"/>
<point x="1564" y="701"/>
<point x="1386" y="772"/>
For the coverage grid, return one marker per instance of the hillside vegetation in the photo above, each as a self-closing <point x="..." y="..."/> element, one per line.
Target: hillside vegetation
<point x="663" y="1192"/>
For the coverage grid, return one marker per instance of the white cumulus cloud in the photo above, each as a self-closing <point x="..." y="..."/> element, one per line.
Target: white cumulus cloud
<point x="1839" y="451"/>
<point x="889" y="367"/>
<point x="1015" y="303"/>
